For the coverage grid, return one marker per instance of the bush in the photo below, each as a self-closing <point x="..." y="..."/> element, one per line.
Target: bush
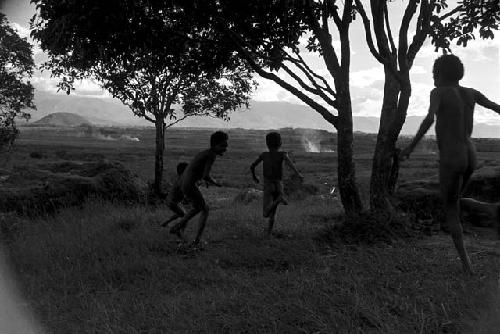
<point x="48" y="187"/>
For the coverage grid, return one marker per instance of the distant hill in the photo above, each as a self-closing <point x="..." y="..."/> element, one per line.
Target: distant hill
<point x="98" y="111"/>
<point x="62" y="119"/>
<point x="260" y="115"/>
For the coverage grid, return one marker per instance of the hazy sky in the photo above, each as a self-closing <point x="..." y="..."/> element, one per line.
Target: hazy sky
<point x="481" y="59"/>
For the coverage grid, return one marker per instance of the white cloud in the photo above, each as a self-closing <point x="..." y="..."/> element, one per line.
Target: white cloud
<point x="417" y="69"/>
<point x="365" y="78"/>
<point x="21" y="31"/>
<point x="85" y="88"/>
<point x="270" y="91"/>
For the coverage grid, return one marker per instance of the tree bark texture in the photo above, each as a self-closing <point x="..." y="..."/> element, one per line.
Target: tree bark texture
<point x="159" y="151"/>
<point x="346" y="171"/>
<point x="385" y="166"/>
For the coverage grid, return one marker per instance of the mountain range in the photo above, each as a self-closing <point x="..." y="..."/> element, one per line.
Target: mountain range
<point x="260" y="115"/>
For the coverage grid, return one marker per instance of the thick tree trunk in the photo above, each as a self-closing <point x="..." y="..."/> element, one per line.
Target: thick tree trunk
<point x="160" y="149"/>
<point x="346" y="171"/>
<point x="385" y="166"/>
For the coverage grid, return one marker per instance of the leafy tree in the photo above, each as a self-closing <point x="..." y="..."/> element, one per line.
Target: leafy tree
<point x="16" y="94"/>
<point x="144" y="55"/>
<point x="267" y="35"/>
<point x="432" y="18"/>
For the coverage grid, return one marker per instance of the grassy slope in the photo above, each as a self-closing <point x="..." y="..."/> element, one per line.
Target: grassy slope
<point x="109" y="268"/>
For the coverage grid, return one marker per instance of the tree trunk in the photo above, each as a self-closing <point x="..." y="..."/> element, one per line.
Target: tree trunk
<point x="346" y="172"/>
<point x="385" y="165"/>
<point x="160" y="149"/>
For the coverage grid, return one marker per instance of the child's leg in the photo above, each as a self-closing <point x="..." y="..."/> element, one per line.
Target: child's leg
<point x="267" y="199"/>
<point x="272" y="219"/>
<point x="199" y="203"/>
<point x="278" y="198"/>
<point x="178" y="212"/>
<point x="451" y="183"/>
<point x="201" y="224"/>
<point x="273" y="197"/>
<point x="178" y="228"/>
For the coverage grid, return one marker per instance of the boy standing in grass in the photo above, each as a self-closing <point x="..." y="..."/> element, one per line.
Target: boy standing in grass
<point x="199" y="170"/>
<point x="273" y="175"/>
<point x="175" y="196"/>
<point x="453" y="107"/>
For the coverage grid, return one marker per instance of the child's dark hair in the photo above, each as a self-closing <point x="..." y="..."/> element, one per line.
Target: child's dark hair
<point x="217" y="138"/>
<point x="450" y="67"/>
<point x="181" y="166"/>
<point x="273" y="140"/>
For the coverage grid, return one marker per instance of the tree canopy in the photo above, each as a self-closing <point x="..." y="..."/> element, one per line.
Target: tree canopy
<point x="151" y="57"/>
<point x="16" y="94"/>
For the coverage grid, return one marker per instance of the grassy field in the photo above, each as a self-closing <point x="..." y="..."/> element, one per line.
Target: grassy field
<point x="110" y="268"/>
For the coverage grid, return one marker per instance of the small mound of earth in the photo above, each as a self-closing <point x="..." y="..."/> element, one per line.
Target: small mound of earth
<point x="46" y="187"/>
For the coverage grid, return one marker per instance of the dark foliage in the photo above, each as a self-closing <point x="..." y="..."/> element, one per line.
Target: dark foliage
<point x="16" y="94"/>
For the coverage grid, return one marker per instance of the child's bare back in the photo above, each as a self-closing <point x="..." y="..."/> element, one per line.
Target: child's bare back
<point x="273" y="165"/>
<point x="454" y="123"/>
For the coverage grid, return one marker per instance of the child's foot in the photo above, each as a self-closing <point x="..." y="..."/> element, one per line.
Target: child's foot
<point x="177" y="231"/>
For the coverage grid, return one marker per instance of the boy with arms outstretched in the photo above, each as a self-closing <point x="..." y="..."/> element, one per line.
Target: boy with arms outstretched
<point x="175" y="196"/>
<point x="199" y="170"/>
<point x="453" y="107"/>
<point x="273" y="175"/>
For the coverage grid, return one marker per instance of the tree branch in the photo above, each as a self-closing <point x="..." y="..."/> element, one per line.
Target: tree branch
<point x="325" y="40"/>
<point x="452" y="12"/>
<point x="302" y="65"/>
<point x="389" y="31"/>
<point x="335" y="13"/>
<point x="177" y="121"/>
<point x="403" y="34"/>
<point x="422" y="32"/>
<point x="329" y="117"/>
<point x="347" y="14"/>
<point x="368" y="32"/>
<point x="316" y="90"/>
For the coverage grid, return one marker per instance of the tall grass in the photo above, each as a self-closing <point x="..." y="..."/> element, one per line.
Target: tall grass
<point x="110" y="269"/>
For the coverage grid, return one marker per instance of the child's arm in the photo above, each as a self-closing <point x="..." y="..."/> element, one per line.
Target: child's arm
<point x="206" y="173"/>
<point x="292" y="165"/>
<point x="424" y="126"/>
<point x="484" y="102"/>
<point x="252" y="168"/>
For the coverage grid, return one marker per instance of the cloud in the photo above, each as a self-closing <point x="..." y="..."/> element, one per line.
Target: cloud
<point x="270" y="91"/>
<point x="86" y="88"/>
<point x="365" y="78"/>
<point x="21" y="31"/>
